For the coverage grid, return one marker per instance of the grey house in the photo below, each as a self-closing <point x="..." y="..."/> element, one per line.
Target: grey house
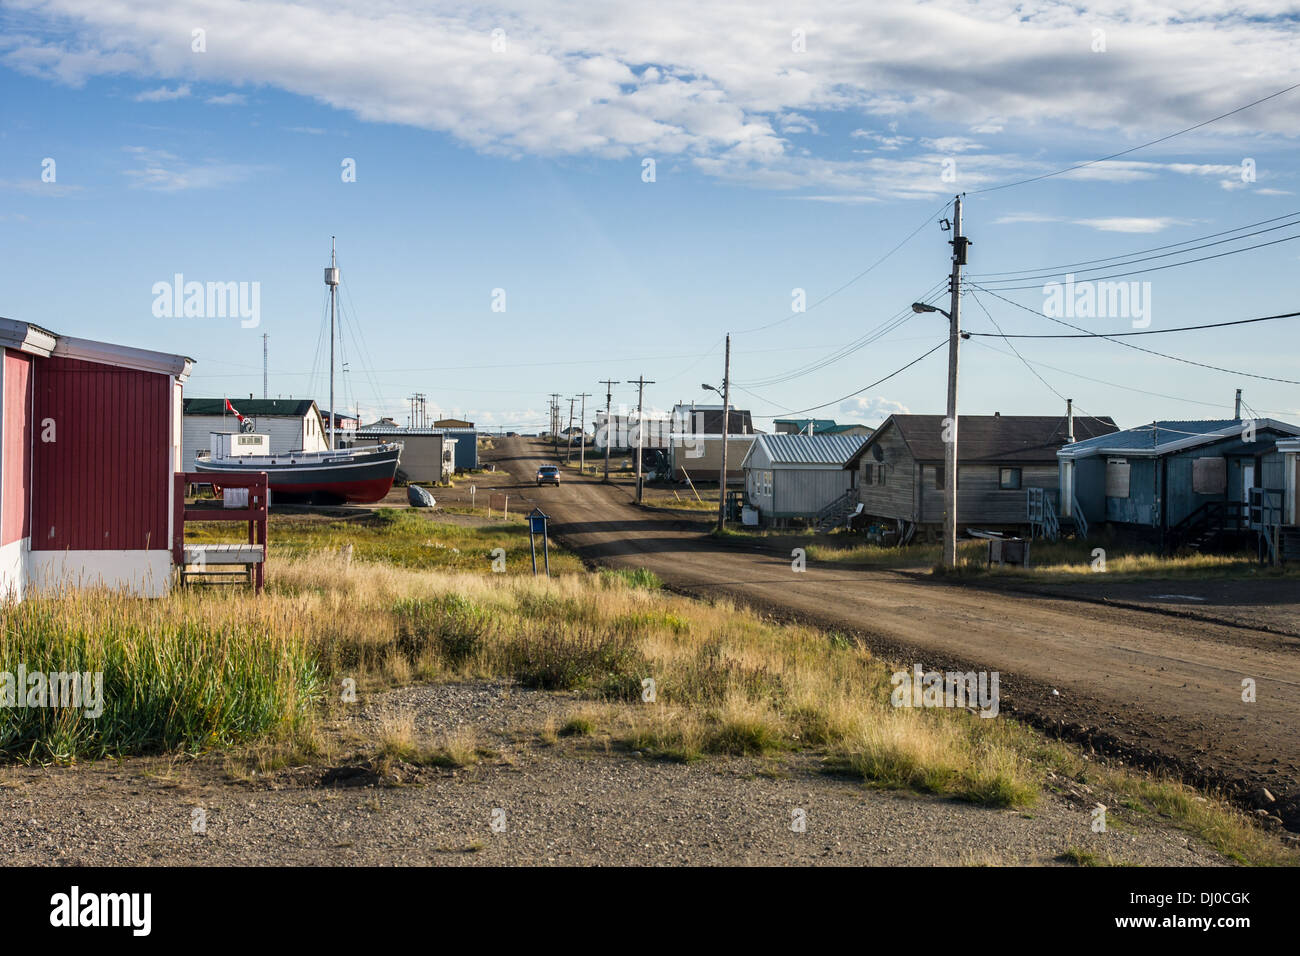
<point x="797" y="476"/>
<point x="900" y="474"/>
<point x="1176" y="482"/>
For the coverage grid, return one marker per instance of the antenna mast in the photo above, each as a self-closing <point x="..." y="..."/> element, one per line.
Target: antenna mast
<point x="332" y="280"/>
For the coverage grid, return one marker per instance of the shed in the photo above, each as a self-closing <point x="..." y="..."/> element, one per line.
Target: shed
<point x="90" y="438"/>
<point x="428" y="455"/>
<point x="466" y="447"/>
<point x="699" y="457"/>
<point x="293" y="424"/>
<point x="900" y="467"/>
<point x="1174" y="478"/>
<point x="798" y="476"/>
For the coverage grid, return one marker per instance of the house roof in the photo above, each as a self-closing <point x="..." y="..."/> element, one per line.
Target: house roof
<point x="35" y="340"/>
<point x="819" y="424"/>
<point x="807" y="449"/>
<point x="1165" y="437"/>
<point x="385" y="431"/>
<point x="989" y="438"/>
<point x="282" y="407"/>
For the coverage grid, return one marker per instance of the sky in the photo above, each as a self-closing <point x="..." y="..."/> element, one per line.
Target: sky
<point x="530" y="198"/>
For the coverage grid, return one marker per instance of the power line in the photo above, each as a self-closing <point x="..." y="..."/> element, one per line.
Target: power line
<point x="910" y="236"/>
<point x="1032" y="370"/>
<point x="1075" y="266"/>
<point x="1139" y="348"/>
<point x="1111" y="335"/>
<point x="879" y="381"/>
<point x="1134" y="149"/>
<point x="1171" y="265"/>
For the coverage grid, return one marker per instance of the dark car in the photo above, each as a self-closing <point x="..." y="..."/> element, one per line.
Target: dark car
<point x="548" y="475"/>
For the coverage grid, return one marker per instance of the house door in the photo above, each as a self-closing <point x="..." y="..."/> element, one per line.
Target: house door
<point x="1247" y="481"/>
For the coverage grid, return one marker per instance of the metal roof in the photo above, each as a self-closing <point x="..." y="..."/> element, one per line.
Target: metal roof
<point x="1165" y="437"/>
<point x="991" y="438"/>
<point x="288" y="407"/>
<point x="809" y="449"/>
<point x="374" y="430"/>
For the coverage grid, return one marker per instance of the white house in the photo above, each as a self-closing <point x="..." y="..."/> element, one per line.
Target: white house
<point x="293" y="424"/>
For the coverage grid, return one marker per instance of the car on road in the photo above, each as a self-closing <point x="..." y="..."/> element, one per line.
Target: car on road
<point x="548" y="475"/>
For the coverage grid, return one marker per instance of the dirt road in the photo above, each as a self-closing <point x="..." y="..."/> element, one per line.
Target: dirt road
<point x="1145" y="686"/>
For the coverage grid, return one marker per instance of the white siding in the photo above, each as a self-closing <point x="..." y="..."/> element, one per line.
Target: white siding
<point x="286" y="434"/>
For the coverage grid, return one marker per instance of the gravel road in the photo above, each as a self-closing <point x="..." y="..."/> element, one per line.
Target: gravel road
<point x="574" y="803"/>
<point x="1152" y="687"/>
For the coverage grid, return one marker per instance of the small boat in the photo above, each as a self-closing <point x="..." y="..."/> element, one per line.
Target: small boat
<point x="361" y="475"/>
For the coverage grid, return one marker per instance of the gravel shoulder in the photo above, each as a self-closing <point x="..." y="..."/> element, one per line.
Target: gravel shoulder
<point x="576" y="802"/>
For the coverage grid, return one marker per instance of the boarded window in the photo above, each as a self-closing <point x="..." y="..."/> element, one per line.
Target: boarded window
<point x="1116" y="478"/>
<point x="1210" y="476"/>
<point x="1009" y="479"/>
<point x="868" y="472"/>
<point x="880" y="474"/>
<point x="935" y="476"/>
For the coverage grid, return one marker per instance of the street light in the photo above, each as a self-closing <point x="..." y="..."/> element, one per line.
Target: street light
<point x="920" y="308"/>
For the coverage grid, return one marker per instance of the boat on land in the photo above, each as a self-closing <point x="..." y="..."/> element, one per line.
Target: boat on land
<point x="331" y="476"/>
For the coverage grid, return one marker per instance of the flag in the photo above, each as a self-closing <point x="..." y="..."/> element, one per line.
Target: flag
<point x="234" y="411"/>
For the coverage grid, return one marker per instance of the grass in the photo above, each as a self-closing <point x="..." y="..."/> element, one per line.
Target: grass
<point x="403" y="538"/>
<point x="1050" y="561"/>
<point x="667" y="675"/>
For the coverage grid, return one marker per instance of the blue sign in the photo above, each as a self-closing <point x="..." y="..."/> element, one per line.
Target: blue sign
<point x="536" y="522"/>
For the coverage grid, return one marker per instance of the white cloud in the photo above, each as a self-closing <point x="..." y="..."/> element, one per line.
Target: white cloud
<point x="228" y="99"/>
<point x="162" y="171"/>
<point x="872" y="411"/>
<point x="715" y="84"/>
<point x="163" y="94"/>
<point x="1132" y="223"/>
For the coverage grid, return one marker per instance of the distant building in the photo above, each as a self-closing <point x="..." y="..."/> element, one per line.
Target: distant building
<point x="292" y="424"/>
<point x="428" y="454"/>
<point x="452" y="423"/>
<point x="818" y="426"/>
<point x="696" y="419"/>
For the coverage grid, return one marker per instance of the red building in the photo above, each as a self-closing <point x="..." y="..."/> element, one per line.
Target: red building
<point x="90" y="438"/>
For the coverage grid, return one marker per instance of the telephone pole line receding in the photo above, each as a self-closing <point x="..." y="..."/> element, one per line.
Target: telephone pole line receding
<point x="609" y="404"/>
<point x="641" y="383"/>
<point x="959" y="244"/>
<point x="555" y="420"/>
<point x="582" y="433"/>
<point x="568" y="454"/>
<point x="264" y="337"/>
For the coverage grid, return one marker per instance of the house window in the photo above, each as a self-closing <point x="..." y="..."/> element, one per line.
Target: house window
<point x="1210" y="476"/>
<point x="1009" y="479"/>
<point x="1117" y="477"/>
<point x="935" y="476"/>
<point x="868" y="474"/>
<point x="767" y="483"/>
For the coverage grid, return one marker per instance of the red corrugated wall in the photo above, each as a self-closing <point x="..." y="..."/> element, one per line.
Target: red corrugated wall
<point x="103" y="484"/>
<point x="16" y="482"/>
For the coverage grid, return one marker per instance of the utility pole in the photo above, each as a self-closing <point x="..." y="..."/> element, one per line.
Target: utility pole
<point x="959" y="244"/>
<point x="568" y="454"/>
<point x="641" y="383"/>
<point x="555" y="420"/>
<point x="609" y="404"/>
<point x="582" y="433"/>
<point x="726" y="428"/>
<point x="264" y="365"/>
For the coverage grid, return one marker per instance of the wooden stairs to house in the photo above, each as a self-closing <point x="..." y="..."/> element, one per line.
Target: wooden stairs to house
<point x="836" y="513"/>
<point x="1213" y="527"/>
<point x="1045" y="521"/>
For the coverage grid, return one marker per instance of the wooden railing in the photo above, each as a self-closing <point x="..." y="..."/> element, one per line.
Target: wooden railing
<point x="1040" y="510"/>
<point x="254" y="512"/>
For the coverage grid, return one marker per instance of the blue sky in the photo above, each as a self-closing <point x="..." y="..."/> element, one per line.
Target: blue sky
<point x="521" y="169"/>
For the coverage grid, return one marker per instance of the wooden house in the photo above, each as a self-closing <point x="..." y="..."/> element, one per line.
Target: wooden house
<point x="1176" y="482"/>
<point x="900" y="468"/>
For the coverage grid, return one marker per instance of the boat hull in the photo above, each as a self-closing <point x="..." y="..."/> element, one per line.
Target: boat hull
<point x="361" y="477"/>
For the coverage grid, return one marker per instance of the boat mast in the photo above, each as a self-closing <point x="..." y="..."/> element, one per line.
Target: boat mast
<point x="332" y="280"/>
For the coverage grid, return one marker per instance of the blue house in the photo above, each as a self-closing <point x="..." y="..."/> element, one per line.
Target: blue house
<point x="1178" y="483"/>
